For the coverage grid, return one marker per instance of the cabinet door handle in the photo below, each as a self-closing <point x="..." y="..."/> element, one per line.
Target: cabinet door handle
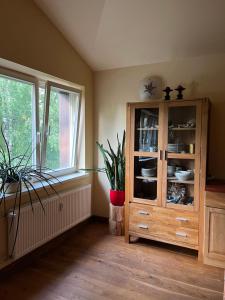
<point x="160" y="155"/>
<point x="143" y="212"/>
<point x="182" y="219"/>
<point x="182" y="234"/>
<point x="143" y="226"/>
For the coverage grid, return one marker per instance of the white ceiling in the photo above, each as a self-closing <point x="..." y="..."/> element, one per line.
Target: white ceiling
<point x="119" y="33"/>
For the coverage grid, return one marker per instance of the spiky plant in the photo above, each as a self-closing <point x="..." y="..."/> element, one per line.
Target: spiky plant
<point x="114" y="162"/>
<point x="17" y="170"/>
<point x="149" y="88"/>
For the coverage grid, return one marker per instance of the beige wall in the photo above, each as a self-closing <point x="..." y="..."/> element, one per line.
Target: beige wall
<point x="202" y="76"/>
<point x="28" y="38"/>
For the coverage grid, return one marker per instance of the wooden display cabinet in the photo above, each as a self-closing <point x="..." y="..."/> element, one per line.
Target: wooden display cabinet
<point x="163" y="138"/>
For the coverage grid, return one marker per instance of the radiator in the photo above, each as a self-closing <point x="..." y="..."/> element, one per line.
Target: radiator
<point x="61" y="213"/>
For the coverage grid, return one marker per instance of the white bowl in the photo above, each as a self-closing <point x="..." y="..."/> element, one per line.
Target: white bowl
<point x="184" y="175"/>
<point x="148" y="172"/>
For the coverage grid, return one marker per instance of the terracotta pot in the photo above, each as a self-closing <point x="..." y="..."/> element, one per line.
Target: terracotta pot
<point x="117" y="198"/>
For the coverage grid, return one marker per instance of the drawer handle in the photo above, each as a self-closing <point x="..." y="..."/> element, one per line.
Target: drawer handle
<point x="143" y="226"/>
<point x="180" y="233"/>
<point x="143" y="212"/>
<point x="182" y="219"/>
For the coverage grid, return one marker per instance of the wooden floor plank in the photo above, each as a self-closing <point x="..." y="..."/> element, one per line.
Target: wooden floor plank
<point x="95" y="265"/>
<point x="89" y="264"/>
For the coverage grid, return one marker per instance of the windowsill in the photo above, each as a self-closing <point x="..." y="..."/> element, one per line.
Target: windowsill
<point x="55" y="182"/>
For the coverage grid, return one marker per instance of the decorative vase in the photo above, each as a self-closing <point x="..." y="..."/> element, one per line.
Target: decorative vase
<point x="117" y="198"/>
<point x="11" y="188"/>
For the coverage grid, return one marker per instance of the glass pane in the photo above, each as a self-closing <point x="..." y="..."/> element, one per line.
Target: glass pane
<point x="16" y="106"/>
<point x="145" y="178"/>
<point x="63" y="120"/>
<point x="181" y="129"/>
<point x="146" y="129"/>
<point x="180" y="181"/>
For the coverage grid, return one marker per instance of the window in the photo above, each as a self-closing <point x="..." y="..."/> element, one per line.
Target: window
<point x="61" y="127"/>
<point x="41" y="118"/>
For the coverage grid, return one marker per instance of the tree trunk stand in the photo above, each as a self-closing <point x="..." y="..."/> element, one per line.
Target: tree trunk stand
<point x="116" y="220"/>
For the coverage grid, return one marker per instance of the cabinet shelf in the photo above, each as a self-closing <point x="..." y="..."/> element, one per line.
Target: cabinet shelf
<point x="144" y="201"/>
<point x="147" y="128"/>
<point x="180" y="206"/>
<point x="183" y="129"/>
<point x="175" y="180"/>
<point x="147" y="178"/>
<point x="180" y="155"/>
<point x="146" y="154"/>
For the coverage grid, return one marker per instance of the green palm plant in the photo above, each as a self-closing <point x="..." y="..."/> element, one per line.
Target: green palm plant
<point x="114" y="164"/>
<point x="16" y="170"/>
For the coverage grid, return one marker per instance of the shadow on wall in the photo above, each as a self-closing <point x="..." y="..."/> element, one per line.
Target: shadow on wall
<point x="193" y="88"/>
<point x="216" y="139"/>
<point x="101" y="189"/>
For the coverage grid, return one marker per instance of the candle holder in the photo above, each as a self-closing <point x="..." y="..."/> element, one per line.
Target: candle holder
<point x="180" y="89"/>
<point x="167" y="90"/>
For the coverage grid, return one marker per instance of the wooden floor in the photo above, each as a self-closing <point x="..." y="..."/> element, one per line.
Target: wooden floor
<point x="94" y="265"/>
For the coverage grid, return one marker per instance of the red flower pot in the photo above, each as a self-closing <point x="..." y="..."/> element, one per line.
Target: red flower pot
<point x="117" y="198"/>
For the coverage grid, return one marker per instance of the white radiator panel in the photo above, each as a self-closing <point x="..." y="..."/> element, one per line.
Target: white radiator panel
<point x="61" y="213"/>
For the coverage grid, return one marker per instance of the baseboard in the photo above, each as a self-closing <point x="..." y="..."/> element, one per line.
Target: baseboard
<point x="99" y="219"/>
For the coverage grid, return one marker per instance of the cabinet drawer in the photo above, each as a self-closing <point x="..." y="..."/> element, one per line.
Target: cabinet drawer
<point x="141" y="210"/>
<point x="165" y="216"/>
<point x="165" y="232"/>
<point x="174" y="217"/>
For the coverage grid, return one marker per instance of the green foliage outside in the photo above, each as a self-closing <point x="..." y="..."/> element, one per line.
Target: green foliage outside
<point x="16" y="114"/>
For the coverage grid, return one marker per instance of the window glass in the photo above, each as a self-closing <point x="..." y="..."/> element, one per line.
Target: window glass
<point x="16" y="115"/>
<point x="41" y="106"/>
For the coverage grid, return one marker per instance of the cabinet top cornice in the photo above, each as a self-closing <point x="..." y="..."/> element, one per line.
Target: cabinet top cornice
<point x="160" y="101"/>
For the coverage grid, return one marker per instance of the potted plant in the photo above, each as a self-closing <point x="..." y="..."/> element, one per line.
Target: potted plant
<point x="17" y="176"/>
<point x="114" y="169"/>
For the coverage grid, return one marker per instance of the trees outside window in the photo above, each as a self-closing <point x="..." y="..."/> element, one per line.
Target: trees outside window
<point x="16" y="113"/>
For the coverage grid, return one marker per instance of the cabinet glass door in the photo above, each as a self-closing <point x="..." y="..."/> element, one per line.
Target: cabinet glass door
<point x="146" y="129"/>
<point x="145" y="178"/>
<point x="181" y="164"/>
<point x="146" y="163"/>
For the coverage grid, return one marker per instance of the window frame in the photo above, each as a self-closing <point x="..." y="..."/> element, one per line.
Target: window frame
<point x="48" y="86"/>
<point x="39" y="138"/>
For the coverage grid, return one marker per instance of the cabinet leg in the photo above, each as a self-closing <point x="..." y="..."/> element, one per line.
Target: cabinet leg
<point x="224" y="287"/>
<point x="131" y="239"/>
<point x="127" y="238"/>
<point x="200" y="256"/>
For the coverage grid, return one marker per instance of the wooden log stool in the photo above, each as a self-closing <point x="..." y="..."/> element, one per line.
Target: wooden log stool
<point x="116" y="219"/>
